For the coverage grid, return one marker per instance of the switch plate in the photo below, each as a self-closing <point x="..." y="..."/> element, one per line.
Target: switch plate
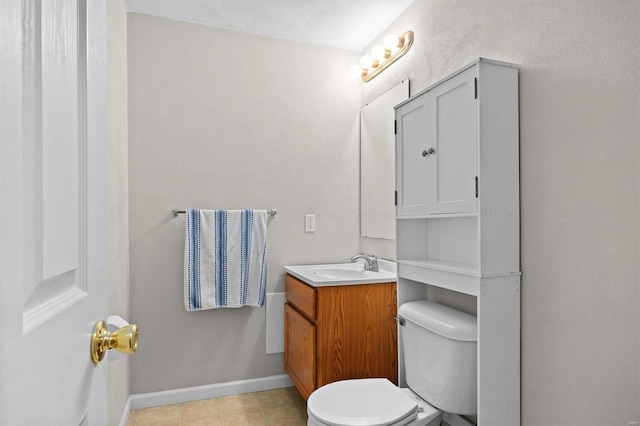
<point x="310" y="223"/>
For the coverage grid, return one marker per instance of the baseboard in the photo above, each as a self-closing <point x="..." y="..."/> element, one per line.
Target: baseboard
<point x="125" y="412"/>
<point x="176" y="396"/>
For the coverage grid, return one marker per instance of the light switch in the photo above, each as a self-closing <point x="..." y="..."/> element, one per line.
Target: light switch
<point x="310" y="223"/>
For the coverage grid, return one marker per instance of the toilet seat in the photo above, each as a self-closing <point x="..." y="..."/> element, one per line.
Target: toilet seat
<point x="371" y="402"/>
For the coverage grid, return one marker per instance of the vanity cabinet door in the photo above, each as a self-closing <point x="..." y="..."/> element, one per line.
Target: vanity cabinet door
<point x="357" y="332"/>
<point x="300" y="350"/>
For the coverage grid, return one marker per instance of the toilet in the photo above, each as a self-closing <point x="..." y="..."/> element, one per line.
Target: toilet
<point x="439" y="351"/>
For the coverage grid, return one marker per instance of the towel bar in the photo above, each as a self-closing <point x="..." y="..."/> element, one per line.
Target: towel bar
<point x="176" y="212"/>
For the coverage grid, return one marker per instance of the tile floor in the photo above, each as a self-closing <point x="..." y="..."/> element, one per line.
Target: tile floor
<point x="278" y="407"/>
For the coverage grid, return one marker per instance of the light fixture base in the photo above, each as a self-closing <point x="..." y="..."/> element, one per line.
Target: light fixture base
<point x="407" y="41"/>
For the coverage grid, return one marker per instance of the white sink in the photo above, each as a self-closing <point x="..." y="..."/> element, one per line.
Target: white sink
<point x="339" y="274"/>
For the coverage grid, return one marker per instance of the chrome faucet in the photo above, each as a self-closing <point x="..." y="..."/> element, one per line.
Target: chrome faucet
<point x="371" y="262"/>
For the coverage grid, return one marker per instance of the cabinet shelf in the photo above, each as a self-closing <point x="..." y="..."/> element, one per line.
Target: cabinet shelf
<point x="439" y="216"/>
<point x="460" y="277"/>
<point x="441" y="265"/>
<point x="454" y="276"/>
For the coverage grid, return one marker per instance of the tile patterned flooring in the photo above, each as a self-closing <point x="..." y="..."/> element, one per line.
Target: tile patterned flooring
<point x="278" y="407"/>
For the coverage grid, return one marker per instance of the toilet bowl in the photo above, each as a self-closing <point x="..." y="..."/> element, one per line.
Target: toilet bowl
<point x="439" y="351"/>
<point x="371" y="402"/>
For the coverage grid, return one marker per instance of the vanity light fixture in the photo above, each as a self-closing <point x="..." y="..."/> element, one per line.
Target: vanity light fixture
<point x="381" y="57"/>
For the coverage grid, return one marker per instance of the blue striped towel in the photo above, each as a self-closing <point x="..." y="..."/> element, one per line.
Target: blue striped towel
<point x="225" y="259"/>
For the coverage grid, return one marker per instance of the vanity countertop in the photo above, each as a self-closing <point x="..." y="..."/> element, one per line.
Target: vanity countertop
<point x="337" y="274"/>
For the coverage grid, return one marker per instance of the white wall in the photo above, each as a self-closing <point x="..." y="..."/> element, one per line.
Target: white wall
<point x="223" y="119"/>
<point x="117" y="196"/>
<point x="579" y="138"/>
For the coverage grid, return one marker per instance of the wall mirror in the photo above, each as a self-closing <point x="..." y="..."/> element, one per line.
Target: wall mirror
<point x="377" y="164"/>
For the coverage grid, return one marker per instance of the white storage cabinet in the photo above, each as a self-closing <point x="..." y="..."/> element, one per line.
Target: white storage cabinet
<point x="457" y="182"/>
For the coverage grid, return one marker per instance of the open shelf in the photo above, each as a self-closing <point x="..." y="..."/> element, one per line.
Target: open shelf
<point x="439" y="216"/>
<point x="458" y="277"/>
<point x="443" y="265"/>
<point x="446" y="243"/>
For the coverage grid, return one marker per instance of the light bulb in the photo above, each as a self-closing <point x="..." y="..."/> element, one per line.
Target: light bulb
<point x="379" y="53"/>
<point x="392" y="42"/>
<point x="367" y="62"/>
<point x="356" y="71"/>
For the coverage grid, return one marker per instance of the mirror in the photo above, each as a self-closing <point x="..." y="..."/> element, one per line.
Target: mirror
<point x="377" y="164"/>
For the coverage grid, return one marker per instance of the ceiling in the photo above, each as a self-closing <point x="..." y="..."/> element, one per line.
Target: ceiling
<point x="345" y="24"/>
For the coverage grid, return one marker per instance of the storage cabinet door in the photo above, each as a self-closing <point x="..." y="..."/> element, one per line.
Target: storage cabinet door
<point x="300" y="350"/>
<point x="452" y="143"/>
<point x="411" y="167"/>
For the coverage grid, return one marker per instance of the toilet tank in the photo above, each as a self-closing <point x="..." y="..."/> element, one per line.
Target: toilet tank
<point x="440" y="345"/>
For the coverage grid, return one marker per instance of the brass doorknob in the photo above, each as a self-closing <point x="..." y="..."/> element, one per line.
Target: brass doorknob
<point x="124" y="340"/>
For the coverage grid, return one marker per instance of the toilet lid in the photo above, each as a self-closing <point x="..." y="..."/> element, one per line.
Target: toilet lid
<point x="372" y="402"/>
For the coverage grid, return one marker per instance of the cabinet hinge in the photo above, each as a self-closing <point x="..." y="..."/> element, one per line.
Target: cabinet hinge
<point x="395" y="203"/>
<point x="476" y="186"/>
<point x="475" y="88"/>
<point x="395" y="126"/>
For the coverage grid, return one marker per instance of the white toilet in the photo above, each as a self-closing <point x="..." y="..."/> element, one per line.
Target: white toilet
<point x="439" y="345"/>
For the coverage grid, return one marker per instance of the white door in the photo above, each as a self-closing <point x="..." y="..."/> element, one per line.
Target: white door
<point x="52" y="210"/>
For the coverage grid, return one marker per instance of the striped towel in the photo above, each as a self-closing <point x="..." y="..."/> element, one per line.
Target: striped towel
<point x="225" y="259"/>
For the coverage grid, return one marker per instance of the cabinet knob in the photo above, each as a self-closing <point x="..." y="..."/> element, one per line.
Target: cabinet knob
<point x="426" y="153"/>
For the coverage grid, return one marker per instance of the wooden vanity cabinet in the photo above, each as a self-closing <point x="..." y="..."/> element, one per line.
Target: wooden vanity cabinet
<point x="339" y="332"/>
